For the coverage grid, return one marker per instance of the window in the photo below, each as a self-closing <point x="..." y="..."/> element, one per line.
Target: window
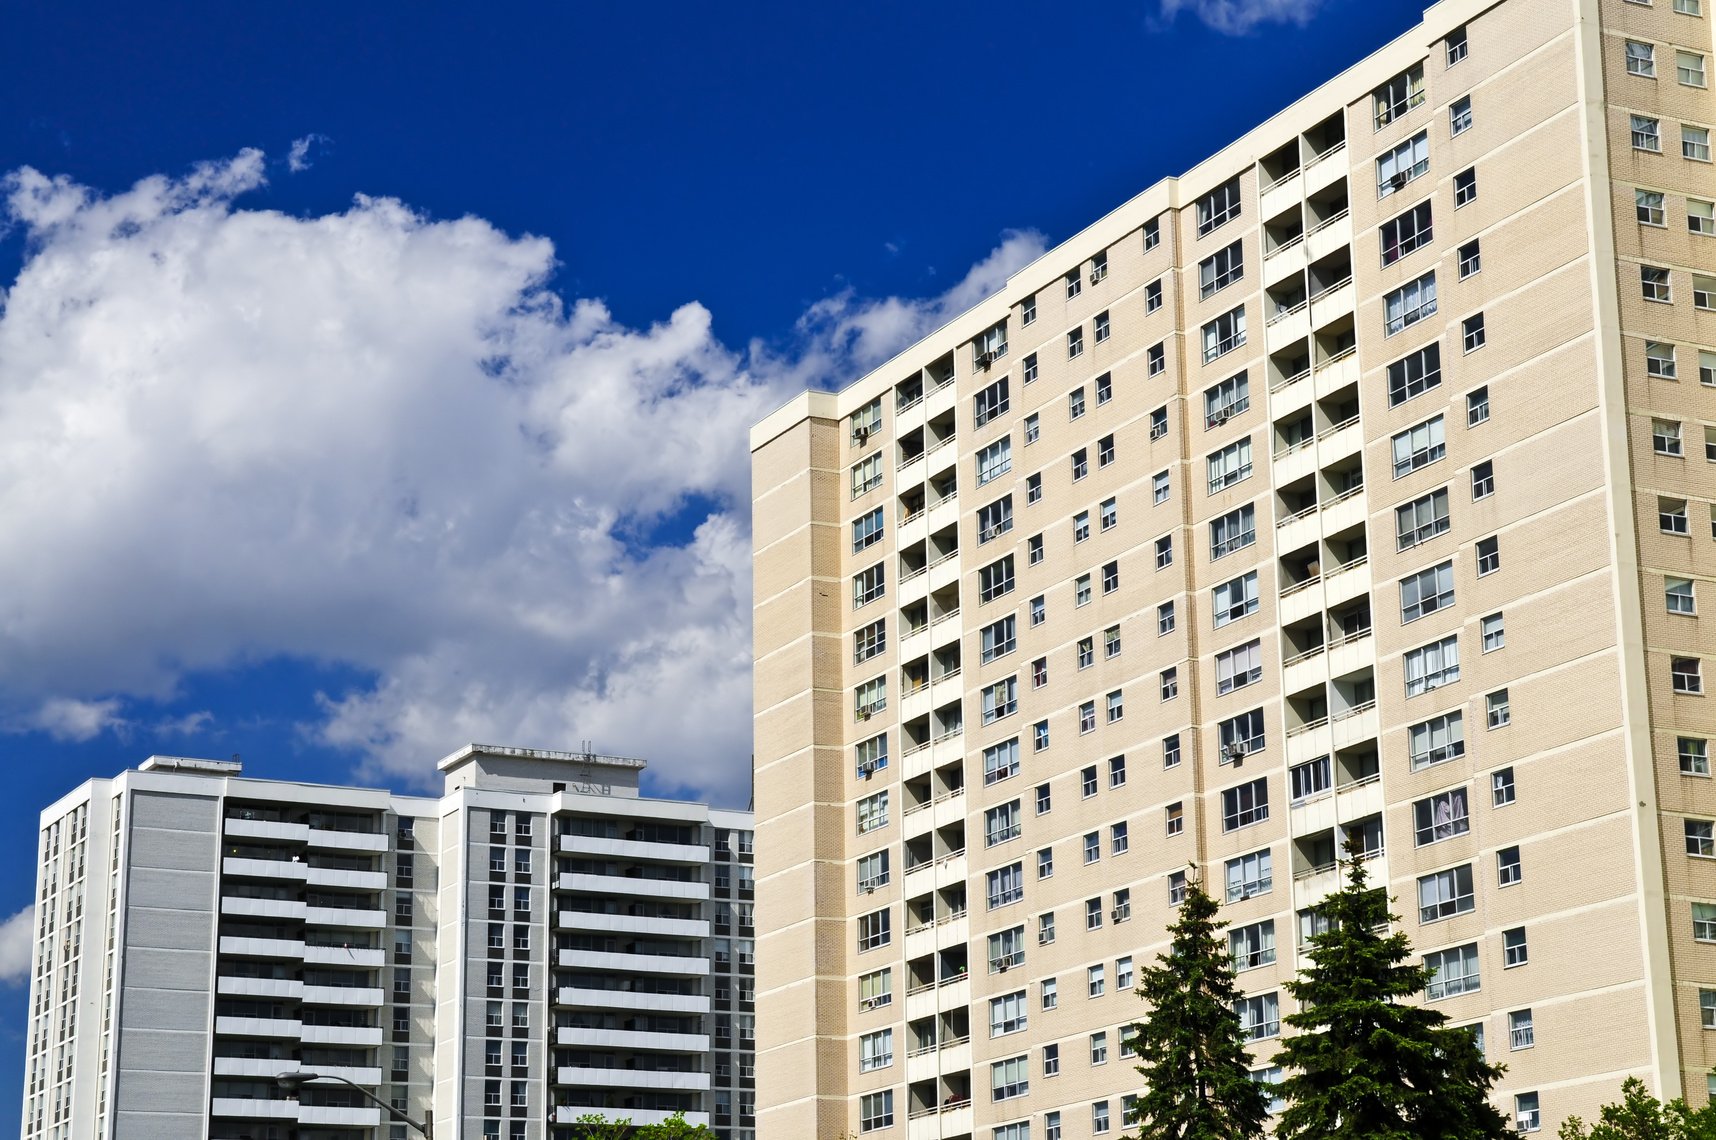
<point x="1689" y="7"/>
<point x="868" y="585"/>
<point x="1238" y="667"/>
<point x="1040" y="736"/>
<point x="874" y="929"/>
<point x="1219" y="206"/>
<point x="1460" y="116"/>
<point x="875" y="1050"/>
<point x="1695" y="142"/>
<point x="1050" y="998"/>
<point x="1701" y="216"/>
<point x="1401" y="165"/>
<point x="1233" y="531"/>
<point x="1010" y="1078"/>
<point x="995" y="460"/>
<point x="1164" y="619"/>
<point x="1457" y="46"/>
<point x="1046" y="863"/>
<point x="1507" y="867"/>
<point x="1659" y="361"/>
<point x="1419" y="446"/>
<point x="1405" y="233"/>
<point x="1046" y="928"/>
<point x="1519" y="1030"/>
<point x="1030" y="367"/>
<point x="1075" y="347"/>
<point x="1694" y="753"/>
<point x="1671" y="516"/>
<point x="1647" y="204"/>
<point x="1152" y="296"/>
<point x="1703" y="291"/>
<point x="866" y="422"/>
<point x="1080" y="464"/>
<point x="1220" y="269"/>
<point x="1099" y="267"/>
<point x="1444" y="894"/>
<point x="1086" y="652"/>
<point x="991" y="402"/>
<point x="1033" y="488"/>
<point x="1240" y="735"/>
<point x="1502" y="790"/>
<point x="1259" y="1016"/>
<point x="869" y="642"/>
<point x="1224" y="334"/>
<point x="1169" y="681"/>
<point x="1230" y="465"/>
<point x="1028" y="310"/>
<point x="1001" y="824"/>
<point x="1152" y="234"/>
<point x="1005" y="885"/>
<point x="1110" y="577"/>
<point x="1704" y="921"/>
<point x="1099" y="1117"/>
<point x="1687" y="673"/>
<point x="1689" y="69"/>
<point x="1452" y="972"/>
<point x="995" y="579"/>
<point x="1426" y="592"/>
<point x="1489" y="553"/>
<point x="1175" y="816"/>
<point x="1099" y="1042"/>
<point x="1435" y="740"/>
<point x="1409" y="304"/>
<point x="1641" y="59"/>
<point x="1432" y="666"/>
<point x="1093" y="914"/>
<point x="1415" y="374"/>
<point x="1104" y="384"/>
<point x="870" y="698"/>
<point x="1465" y="187"/>
<point x="1514" y="951"/>
<point x="1119" y="839"/>
<point x="1226" y="400"/>
<point x="1164" y="552"/>
<point x="1081" y="526"/>
<point x="1245" y="805"/>
<point x="1252" y="946"/>
<point x="1081" y="590"/>
<point x="870" y="755"/>
<point x="876" y="1110"/>
<point x="1000" y="761"/>
<point x="1472" y="332"/>
<point x="1647" y="134"/>
<point x="1665" y="438"/>
<point x="1176" y="888"/>
<point x="1093" y="978"/>
<point x="1087" y="717"/>
<point x="1039" y="672"/>
<point x="1655" y="283"/>
<point x="1158" y="422"/>
<point x="1311" y="778"/>
<point x="1234" y="600"/>
<point x="1525" y="1112"/>
<point x="1075" y="284"/>
<point x="1441" y="816"/>
<point x="1105" y="451"/>
<point x="1421" y="520"/>
<point x="1171" y="751"/>
<point x="1100" y="328"/>
<point x="1700" y="837"/>
<point x="867" y="475"/>
<point x="1398" y="96"/>
<point x="873" y="812"/>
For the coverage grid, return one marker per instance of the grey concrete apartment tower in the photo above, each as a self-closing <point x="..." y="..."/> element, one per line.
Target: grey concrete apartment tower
<point x="1359" y="484"/>
<point x="537" y="943"/>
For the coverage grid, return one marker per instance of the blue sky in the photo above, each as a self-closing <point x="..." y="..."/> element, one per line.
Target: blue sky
<point x="374" y="378"/>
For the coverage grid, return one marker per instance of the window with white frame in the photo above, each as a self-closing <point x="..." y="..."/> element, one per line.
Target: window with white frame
<point x="1421" y="520"/>
<point x="1233" y="600"/>
<point x="1655" y="284"/>
<point x="1234" y="530"/>
<point x="1005" y="885"/>
<point x="995" y="579"/>
<point x="1444" y="894"/>
<point x="1238" y="667"/>
<point x="875" y="929"/>
<point x="1689" y="68"/>
<point x="1419" y="446"/>
<point x="868" y="585"/>
<point x="994" y="460"/>
<point x="1225" y="400"/>
<point x="1001" y="761"/>
<point x="1701" y="216"/>
<point x="876" y="1111"/>
<point x="1240" y="735"/>
<point x="1224" y="334"/>
<point x="1695" y="142"/>
<point x="1648" y="206"/>
<point x="1441" y="816"/>
<point x="1398" y="96"/>
<point x="866" y="422"/>
<point x="1220" y="269"/>
<point x="870" y="641"/>
<point x="1218" y="207"/>
<point x="1398" y="167"/>
<point x="1439" y="739"/>
<point x="1508" y="868"/>
<point x="1641" y="59"/>
<point x="1432" y="666"/>
<point x="1406" y="232"/>
<point x="1414" y="374"/>
<point x="1660" y="361"/>
<point x="1002" y="823"/>
<point x="1687" y="674"/>
<point x="875" y="1050"/>
<point x="1460" y="115"/>
<point x="1245" y="804"/>
<point x="873" y="812"/>
<point x="1426" y="592"/>
<point x="990" y="403"/>
<point x="1703" y="291"/>
<point x="870" y="756"/>
<point x="1453" y="971"/>
<point x="1230" y="465"/>
<point x="1252" y="946"/>
<point x="1646" y="133"/>
<point x="1527" y="1116"/>
<point x="1259" y="1016"/>
<point x="867" y="474"/>
<point x="1250" y="875"/>
<point x="1010" y="1078"/>
<point x="1409" y="304"/>
<point x="1679" y="596"/>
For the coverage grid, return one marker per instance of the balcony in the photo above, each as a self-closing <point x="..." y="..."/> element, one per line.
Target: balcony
<point x="630" y="886"/>
<point x="262" y="947"/>
<point x="290" y="870"/>
<point x="250" y="1108"/>
<point x="259" y="987"/>
<point x="635" y="850"/>
<point x="634" y="924"/>
<point x="633" y="1039"/>
<point x="948" y="1120"/>
<point x="342" y="916"/>
<point x="347" y="840"/>
<point x="344" y="956"/>
<point x="262" y="908"/>
<point x="340" y="1034"/>
<point x="339" y="1115"/>
<point x="633" y="1079"/>
<point x="621" y="963"/>
<point x="578" y="997"/>
<point x="257" y="1027"/>
<point x="366" y="996"/>
<point x="278" y="830"/>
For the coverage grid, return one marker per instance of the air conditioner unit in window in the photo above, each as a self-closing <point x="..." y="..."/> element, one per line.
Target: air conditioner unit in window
<point x="1397" y="180"/>
<point x="861" y="436"/>
<point x="985" y="359"/>
<point x="1222" y="416"/>
<point x="1003" y="966"/>
<point x="1117" y="914"/>
<point x="1095" y="277"/>
<point x="865" y="771"/>
<point x="1042" y="940"/>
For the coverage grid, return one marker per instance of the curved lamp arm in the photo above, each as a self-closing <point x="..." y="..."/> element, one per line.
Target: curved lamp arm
<point x="292" y="1082"/>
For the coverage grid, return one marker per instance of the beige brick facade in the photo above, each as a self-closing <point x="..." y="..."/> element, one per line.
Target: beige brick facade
<point x="1552" y="566"/>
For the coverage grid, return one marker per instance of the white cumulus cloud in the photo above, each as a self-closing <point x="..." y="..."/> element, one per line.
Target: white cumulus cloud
<point x="298" y="155"/>
<point x="382" y="439"/>
<point x="1236" y="17"/>
<point x="17" y="937"/>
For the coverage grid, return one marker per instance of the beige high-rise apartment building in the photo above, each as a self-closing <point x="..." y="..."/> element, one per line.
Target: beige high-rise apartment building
<point x="1356" y="484"/>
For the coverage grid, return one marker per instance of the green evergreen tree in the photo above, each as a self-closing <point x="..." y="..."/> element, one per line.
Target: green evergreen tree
<point x="1191" y="1047"/>
<point x="1640" y="1116"/>
<point x="1368" y="1062"/>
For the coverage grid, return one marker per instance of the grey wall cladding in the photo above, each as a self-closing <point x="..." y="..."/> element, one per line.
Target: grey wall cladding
<point x="165" y="1003"/>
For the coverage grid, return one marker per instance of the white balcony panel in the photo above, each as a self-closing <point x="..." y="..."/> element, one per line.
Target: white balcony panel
<point x="288" y="869"/>
<point x="1351" y="656"/>
<point x="350" y="880"/>
<point x="632" y="963"/>
<point x="915" y="529"/>
<point x="1311" y="815"/>
<point x="634" y="885"/>
<point x="955" y="994"/>
<point x="1336" y="302"/>
<point x="1286" y="260"/>
<point x="920" y="940"/>
<point x="1324" y="240"/>
<point x="914" y="586"/>
<point x="1305" y="672"/>
<point x="341" y="1034"/>
<point x="637" y="1116"/>
<point x="267" y="1068"/>
<point x="1295" y="464"/>
<point x="922" y="1066"/>
<point x="1344" y="583"/>
<point x="634" y="1039"/>
<point x="1296" y="605"/>
<point x="913" y="704"/>
<point x="634" y="924"/>
<point x="1290" y="191"/>
<point x="942" y="457"/>
<point x="634" y="849"/>
<point x="1349" y="728"/>
<point x="1305" y="746"/>
<point x="1286" y="399"/>
<point x="267" y="829"/>
<point x="944" y="513"/>
<point x="579" y="997"/>
<point x="348" y="840"/>
<point x="1325" y="169"/>
<point x="944" y="572"/>
<point x="260" y="987"/>
<point x="262" y="908"/>
<point x="946" y="1122"/>
<point x="1285" y="328"/>
<point x="344" y="956"/>
<point x="329" y="1114"/>
<point x="1343" y="443"/>
<point x="1343" y="514"/>
<point x="939" y="399"/>
<point x="1333" y="375"/>
<point x="262" y="947"/>
<point x="248" y="1108"/>
<point x="1359" y="800"/>
<point x="915" y="643"/>
<point x="1298" y="531"/>
<point x="920" y="1003"/>
<point x="633" y="1079"/>
<point x="339" y="916"/>
<point x="257" y="1027"/>
<point x="343" y="995"/>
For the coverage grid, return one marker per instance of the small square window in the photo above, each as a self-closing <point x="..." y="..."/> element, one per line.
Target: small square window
<point x="1471" y="259"/>
<point x="1478" y="406"/>
<point x="1694" y="755"/>
<point x="1080" y="464"/>
<point x="1660" y="361"/>
<point x="1483" y="479"/>
<point x="1033" y="428"/>
<point x="1105" y="451"/>
<point x="1514" y="951"/>
<point x="1030" y="367"/>
<point x="1494" y="634"/>
<point x="1703" y="292"/>
<point x="1473" y="328"/>
<point x="1176" y="818"/>
<point x="1665" y="438"/>
<point x="1033" y="488"/>
<point x="1641" y="59"/>
<point x="1039" y="612"/>
<point x="1039" y="672"/>
<point x="1101" y="330"/>
<point x="1034" y="549"/>
<point x="1520" y="1034"/>
<point x="1508" y="867"/>
<point x="1465" y="187"/>
<point x="1164" y="552"/>
<point x="1497" y="710"/>
<point x="1153" y="296"/>
<point x="1671" y="516"/>
<point x="1457" y="46"/>
<point x="1159" y="489"/>
<point x="1679" y="596"/>
<point x="1648" y="205"/>
<point x="1460" y="115"/>
<point x="1171" y="751"/>
<point x="1502" y="791"/>
<point x="1075" y="403"/>
<point x="1655" y="284"/>
<point x="1687" y="674"/>
<point x="1489" y="555"/>
<point x="1158" y="423"/>
<point x="1695" y="142"/>
<point x="1087" y="717"/>
<point x="1646" y="134"/>
<point x="1028" y="311"/>
<point x="1164" y="619"/>
<point x="1170" y="684"/>
<point x="1040" y="736"/>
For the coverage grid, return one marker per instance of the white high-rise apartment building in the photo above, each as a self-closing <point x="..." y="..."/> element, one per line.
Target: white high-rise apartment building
<point x="537" y="943"/>
<point x="1356" y="485"/>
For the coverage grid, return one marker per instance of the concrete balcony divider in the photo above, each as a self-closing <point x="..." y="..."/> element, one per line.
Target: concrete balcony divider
<point x="267" y="829"/>
<point x="290" y="869"/>
<point x="340" y="1034"/>
<point x="633" y="1079"/>
<point x="618" y="963"/>
<point x="262" y="947"/>
<point x="249" y="1108"/>
<point x="634" y="924"/>
<point x="348" y="840"/>
<point x="633" y="849"/>
<point x="627" y="885"/>
<point x="578" y="997"/>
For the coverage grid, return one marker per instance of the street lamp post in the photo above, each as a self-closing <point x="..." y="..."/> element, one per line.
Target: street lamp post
<point x="292" y="1082"/>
